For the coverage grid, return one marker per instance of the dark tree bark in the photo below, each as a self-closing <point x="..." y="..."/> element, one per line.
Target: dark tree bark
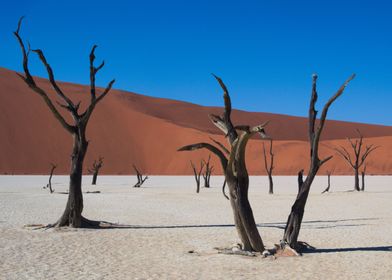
<point x="235" y="171"/>
<point x="359" y="156"/>
<point x="269" y="167"/>
<point x="197" y="175"/>
<point x="140" y="179"/>
<point x="72" y="215"/>
<point x="300" y="179"/>
<point x="207" y="172"/>
<point x="49" y="185"/>
<point x="363" y="173"/>
<point x="329" y="181"/>
<point x="294" y="220"/>
<point x="95" y="169"/>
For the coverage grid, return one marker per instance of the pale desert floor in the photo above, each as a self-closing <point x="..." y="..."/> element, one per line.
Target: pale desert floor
<point x="351" y="231"/>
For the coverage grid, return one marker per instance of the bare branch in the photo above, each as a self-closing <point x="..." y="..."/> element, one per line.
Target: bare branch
<point x="225" y="150"/>
<point x="53" y="81"/>
<point x="346" y="155"/>
<point x="232" y="134"/>
<point x="312" y="110"/>
<point x="368" y="150"/>
<point x="325" y="160"/>
<point x="219" y="123"/>
<point x="207" y="146"/>
<point x="329" y="103"/>
<point x="223" y="190"/>
<point x="29" y="80"/>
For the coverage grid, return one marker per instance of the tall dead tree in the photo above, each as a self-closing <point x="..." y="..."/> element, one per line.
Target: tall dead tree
<point x="329" y="172"/>
<point x="269" y="167"/>
<point x="72" y="215"/>
<point x="207" y="172"/>
<point x="140" y="179"/>
<point x="197" y="175"/>
<point x="97" y="165"/>
<point x="235" y="171"/>
<point x="359" y="156"/>
<point x="294" y="220"/>
<point x="363" y="173"/>
<point x="49" y="185"/>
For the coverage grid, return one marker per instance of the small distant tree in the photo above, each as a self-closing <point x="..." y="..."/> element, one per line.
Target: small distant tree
<point x="235" y="171"/>
<point x="197" y="174"/>
<point x="329" y="173"/>
<point x="207" y="172"/>
<point x="95" y="169"/>
<point x="359" y="156"/>
<point x="72" y="215"/>
<point x="140" y="179"/>
<point x="49" y="185"/>
<point x="363" y="173"/>
<point x="293" y="225"/>
<point x="269" y="167"/>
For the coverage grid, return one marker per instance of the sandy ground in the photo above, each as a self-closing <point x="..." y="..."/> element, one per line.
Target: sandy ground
<point x="351" y="231"/>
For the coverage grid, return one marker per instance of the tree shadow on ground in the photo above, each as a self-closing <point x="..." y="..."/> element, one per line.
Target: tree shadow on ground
<point x="279" y="225"/>
<point x="352" y="249"/>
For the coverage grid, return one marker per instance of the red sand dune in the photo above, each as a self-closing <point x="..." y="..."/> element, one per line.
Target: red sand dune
<point x="129" y="128"/>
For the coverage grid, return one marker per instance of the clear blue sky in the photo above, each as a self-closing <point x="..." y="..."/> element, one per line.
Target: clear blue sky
<point x="265" y="51"/>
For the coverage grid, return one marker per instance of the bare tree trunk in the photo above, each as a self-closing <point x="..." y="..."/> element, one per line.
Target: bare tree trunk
<point x="294" y="220"/>
<point x="49" y="185"/>
<point x="271" y="184"/>
<point x="243" y="214"/>
<point x="140" y="179"/>
<point x="329" y="182"/>
<point x="72" y="214"/>
<point x="207" y="172"/>
<point x="97" y="165"/>
<point x="356" y="182"/>
<point x="359" y="156"/>
<point x="300" y="179"/>
<point x="95" y="175"/>
<point x="363" y="178"/>
<point x="197" y="175"/>
<point x="270" y="167"/>
<point x="235" y="171"/>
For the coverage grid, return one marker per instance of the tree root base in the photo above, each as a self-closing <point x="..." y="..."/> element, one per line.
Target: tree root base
<point x="85" y="223"/>
<point x="285" y="250"/>
<point x="236" y="249"/>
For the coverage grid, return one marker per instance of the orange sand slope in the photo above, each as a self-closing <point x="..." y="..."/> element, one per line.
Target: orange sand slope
<point x="128" y="128"/>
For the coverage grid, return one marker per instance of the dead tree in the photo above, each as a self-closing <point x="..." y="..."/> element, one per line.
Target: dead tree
<point x="95" y="169"/>
<point x="197" y="175"/>
<point x="235" y="171"/>
<point x="300" y="179"/>
<point x="49" y="185"/>
<point x="270" y="167"/>
<point x="140" y="179"/>
<point x="363" y="173"/>
<point x="359" y="156"/>
<point x="207" y="172"/>
<point x="294" y="220"/>
<point x="329" y="181"/>
<point x="72" y="215"/>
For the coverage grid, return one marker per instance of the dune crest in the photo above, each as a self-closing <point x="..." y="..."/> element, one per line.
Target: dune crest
<point x="130" y="128"/>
